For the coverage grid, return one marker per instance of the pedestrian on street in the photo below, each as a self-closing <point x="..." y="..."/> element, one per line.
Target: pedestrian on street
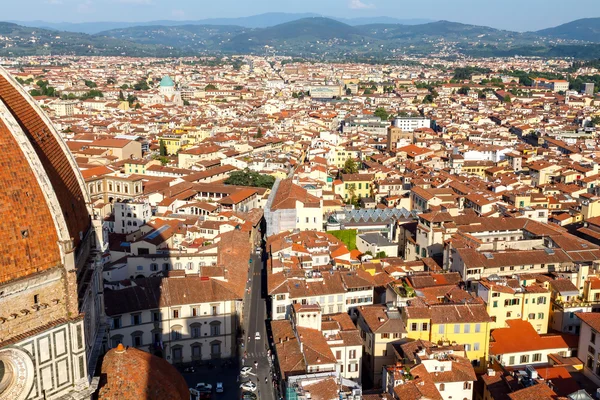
<point x="255" y="364"/>
<point x="266" y="380"/>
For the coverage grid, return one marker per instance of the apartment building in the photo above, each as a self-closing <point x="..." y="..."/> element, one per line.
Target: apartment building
<point x="291" y="207"/>
<point x="333" y="336"/>
<point x="381" y="327"/>
<point x="130" y="215"/>
<point x="466" y="324"/>
<point x="519" y="345"/>
<point x="589" y="345"/>
<point x="334" y="291"/>
<point x="409" y="124"/>
<point x="426" y="369"/>
<point x="507" y="299"/>
<point x="181" y="319"/>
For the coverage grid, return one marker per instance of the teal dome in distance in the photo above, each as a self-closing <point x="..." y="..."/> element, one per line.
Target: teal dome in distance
<point x="167" y="82"/>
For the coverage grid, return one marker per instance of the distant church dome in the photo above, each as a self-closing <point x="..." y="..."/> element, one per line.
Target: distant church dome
<point x="167" y="82"/>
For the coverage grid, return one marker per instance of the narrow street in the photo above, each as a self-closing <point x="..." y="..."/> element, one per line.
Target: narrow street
<point x="255" y="321"/>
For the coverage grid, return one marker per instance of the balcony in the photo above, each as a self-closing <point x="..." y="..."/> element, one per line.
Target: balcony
<point x="577" y="302"/>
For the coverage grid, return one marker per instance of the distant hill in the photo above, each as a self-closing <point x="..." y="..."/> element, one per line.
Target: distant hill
<point x="186" y="38"/>
<point x="254" y="21"/>
<point x="307" y="35"/>
<point x="587" y="29"/>
<point x="314" y="37"/>
<point x="20" y="40"/>
<point x="446" y="30"/>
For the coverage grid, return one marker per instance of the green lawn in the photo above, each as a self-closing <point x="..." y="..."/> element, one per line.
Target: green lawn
<point x="348" y="236"/>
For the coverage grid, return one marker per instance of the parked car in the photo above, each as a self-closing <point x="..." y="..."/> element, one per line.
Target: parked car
<point x="204" y="387"/>
<point x="250" y="386"/>
<point x="219" y="387"/>
<point x="248" y="396"/>
<point x="257" y="336"/>
<point x="245" y="371"/>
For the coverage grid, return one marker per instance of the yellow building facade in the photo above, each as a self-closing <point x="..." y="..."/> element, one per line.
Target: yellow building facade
<point x="465" y="324"/>
<point x="529" y="303"/>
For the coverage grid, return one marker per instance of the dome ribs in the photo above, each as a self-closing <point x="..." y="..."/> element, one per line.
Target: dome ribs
<point x="51" y="154"/>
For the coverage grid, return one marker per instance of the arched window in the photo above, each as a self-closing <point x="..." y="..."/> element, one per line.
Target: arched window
<point x="215" y="328"/>
<point x="176" y="332"/>
<point x="442" y="387"/>
<point x="115" y="340"/>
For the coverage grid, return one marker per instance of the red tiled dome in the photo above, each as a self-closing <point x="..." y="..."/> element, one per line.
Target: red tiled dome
<point x="134" y="374"/>
<point x="41" y="189"/>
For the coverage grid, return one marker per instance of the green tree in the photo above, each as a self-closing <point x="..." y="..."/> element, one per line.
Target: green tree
<point x="90" y="84"/>
<point x="125" y="86"/>
<point x="348" y="92"/>
<point x="210" y="86"/>
<point x="428" y="99"/>
<point x="350" y="166"/>
<point x="131" y="99"/>
<point x="507" y="99"/>
<point x="368" y="91"/>
<point x="121" y="96"/>
<point x="381" y="113"/>
<point x="92" y="94"/>
<point x="259" y="133"/>
<point x="463" y="90"/>
<point x="380" y="254"/>
<point x="162" y="148"/>
<point x="141" y="85"/>
<point x="250" y="178"/>
<point x="186" y="103"/>
<point x="238" y="87"/>
<point x="352" y="193"/>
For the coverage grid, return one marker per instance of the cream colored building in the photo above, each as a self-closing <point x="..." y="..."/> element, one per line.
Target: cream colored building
<point x="508" y="299"/>
<point x="181" y="319"/>
<point x="380" y="328"/>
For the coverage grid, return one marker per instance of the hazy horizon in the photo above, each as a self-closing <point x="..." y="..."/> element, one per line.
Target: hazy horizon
<point x="517" y="15"/>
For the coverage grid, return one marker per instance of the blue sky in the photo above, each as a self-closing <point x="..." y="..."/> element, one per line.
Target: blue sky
<point x="519" y="15"/>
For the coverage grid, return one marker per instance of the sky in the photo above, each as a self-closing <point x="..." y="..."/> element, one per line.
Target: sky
<point x="519" y="15"/>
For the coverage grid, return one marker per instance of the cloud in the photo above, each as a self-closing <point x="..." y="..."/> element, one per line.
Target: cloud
<point x="85" y="7"/>
<point x="141" y="2"/>
<point x="179" y="14"/>
<point x="359" y="5"/>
